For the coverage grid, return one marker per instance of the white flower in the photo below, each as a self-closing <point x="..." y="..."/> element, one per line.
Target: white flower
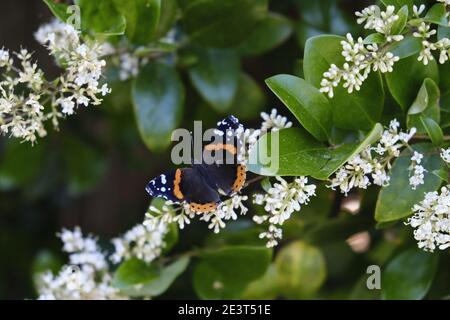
<point x="25" y="93"/>
<point x="129" y="66"/>
<point x="356" y="172"/>
<point x="144" y="241"/>
<point x="67" y="105"/>
<point x="418" y="10"/>
<point x="445" y="155"/>
<point x="380" y="21"/>
<point x="274" y="121"/>
<point x="360" y="61"/>
<point x="86" y="278"/>
<point x="431" y="221"/>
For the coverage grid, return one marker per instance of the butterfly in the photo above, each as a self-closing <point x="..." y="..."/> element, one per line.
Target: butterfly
<point x="202" y="184"/>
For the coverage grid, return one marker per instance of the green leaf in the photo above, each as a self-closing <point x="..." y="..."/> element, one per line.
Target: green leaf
<point x="399" y="3"/>
<point x="158" y="98"/>
<point x="221" y="23"/>
<point x="268" y="34"/>
<point x="400" y="23"/>
<point x="216" y="77"/>
<point x="59" y="10"/>
<point x="407" y="78"/>
<point x="294" y="152"/>
<point x="137" y="279"/>
<point x="101" y="17"/>
<point x="142" y="18"/>
<point x="224" y="273"/>
<point x="374" y="38"/>
<point x="167" y="17"/>
<point x="426" y="105"/>
<point x="309" y="106"/>
<point x="297" y="153"/>
<point x="437" y="14"/>
<point x="346" y="151"/>
<point x="442" y="174"/>
<point x="249" y="100"/>
<point x="301" y="270"/>
<point x="358" y="110"/>
<point x="85" y="170"/>
<point x="405" y="48"/>
<point x="409" y="275"/>
<point x="21" y="163"/>
<point x="397" y="199"/>
<point x="433" y="130"/>
<point x="443" y="32"/>
<point x="264" y="288"/>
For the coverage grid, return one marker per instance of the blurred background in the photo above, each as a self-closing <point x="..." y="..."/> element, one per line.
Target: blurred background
<point x="93" y="172"/>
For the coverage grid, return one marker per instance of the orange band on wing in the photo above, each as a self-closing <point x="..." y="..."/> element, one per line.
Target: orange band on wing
<point x="176" y="185"/>
<point x="240" y="178"/>
<point x="207" y="207"/>
<point x="220" y="146"/>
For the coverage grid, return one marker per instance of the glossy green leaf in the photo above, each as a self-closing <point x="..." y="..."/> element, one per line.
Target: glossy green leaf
<point x="142" y="18"/>
<point x="399" y="3"/>
<point x="409" y="275"/>
<point x="158" y="98"/>
<point x="268" y="34"/>
<point x="397" y="199"/>
<point x="59" y="10"/>
<point x="443" y="32"/>
<point x="346" y="151"/>
<point x="224" y="273"/>
<point x="301" y="270"/>
<point x="264" y="288"/>
<point x="288" y="152"/>
<point x="359" y="110"/>
<point x="407" y="78"/>
<point x="442" y="174"/>
<point x="249" y="100"/>
<point x="437" y="14"/>
<point x="374" y="38"/>
<point x="216" y="76"/>
<point x="138" y="279"/>
<point x="400" y="23"/>
<point x="308" y="105"/>
<point x="405" y="48"/>
<point x="433" y="130"/>
<point x="167" y="17"/>
<point x="101" y="17"/>
<point x="221" y="23"/>
<point x="426" y="105"/>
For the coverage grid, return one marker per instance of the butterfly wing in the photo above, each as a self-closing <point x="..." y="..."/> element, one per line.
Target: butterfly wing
<point x="187" y="185"/>
<point x="226" y="177"/>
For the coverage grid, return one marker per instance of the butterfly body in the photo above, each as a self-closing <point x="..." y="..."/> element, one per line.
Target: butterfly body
<point x="202" y="185"/>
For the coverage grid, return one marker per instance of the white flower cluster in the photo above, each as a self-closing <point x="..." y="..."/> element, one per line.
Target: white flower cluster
<point x="356" y="172"/>
<point x="360" y="60"/>
<point x="24" y="112"/>
<point x="417" y="177"/>
<point x="431" y="221"/>
<point x="87" y="277"/>
<point x="424" y="32"/>
<point x="380" y="21"/>
<point x="144" y="241"/>
<point x="280" y="201"/>
<point x="445" y="155"/>
<point x="249" y="137"/>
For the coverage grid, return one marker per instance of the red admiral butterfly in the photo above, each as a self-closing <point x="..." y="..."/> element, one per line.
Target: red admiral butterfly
<point x="201" y="185"/>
